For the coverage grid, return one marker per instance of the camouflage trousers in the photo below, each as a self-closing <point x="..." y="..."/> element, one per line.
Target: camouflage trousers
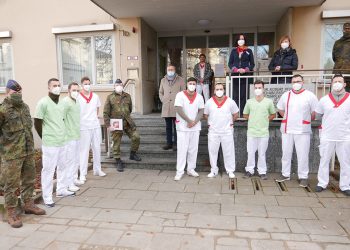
<point x="18" y="173"/>
<point x="1" y="179"/>
<point x="117" y="138"/>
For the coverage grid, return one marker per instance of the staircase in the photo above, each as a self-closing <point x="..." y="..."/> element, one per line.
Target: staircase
<point x="152" y="132"/>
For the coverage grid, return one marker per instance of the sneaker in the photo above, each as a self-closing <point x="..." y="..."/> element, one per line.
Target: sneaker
<point x="247" y="175"/>
<point x="167" y="147"/>
<point x="50" y="205"/>
<point x="78" y="182"/>
<point x="346" y="192"/>
<point x="100" y="173"/>
<point x="304" y="183"/>
<point x="65" y="193"/>
<point x="282" y="178"/>
<point x="73" y="188"/>
<point x="231" y="175"/>
<point x="263" y="176"/>
<point x="319" y="189"/>
<point x="177" y="177"/>
<point x="82" y="178"/>
<point x="192" y="173"/>
<point x="212" y="175"/>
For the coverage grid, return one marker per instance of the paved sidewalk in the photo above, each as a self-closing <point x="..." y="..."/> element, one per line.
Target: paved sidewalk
<point x="146" y="209"/>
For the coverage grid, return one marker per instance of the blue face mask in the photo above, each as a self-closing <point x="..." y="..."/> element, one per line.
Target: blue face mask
<point x="170" y="73"/>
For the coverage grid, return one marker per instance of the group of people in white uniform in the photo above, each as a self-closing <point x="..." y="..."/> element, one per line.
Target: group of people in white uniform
<point x="297" y="106"/>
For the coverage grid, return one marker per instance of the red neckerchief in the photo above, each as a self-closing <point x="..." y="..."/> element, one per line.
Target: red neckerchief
<point x="86" y="99"/>
<point x="337" y="104"/>
<point x="241" y="49"/>
<point x="189" y="98"/>
<point x="202" y="65"/>
<point x="217" y="102"/>
<point x="297" y="93"/>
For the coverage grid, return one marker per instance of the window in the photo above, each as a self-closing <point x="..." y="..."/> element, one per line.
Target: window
<point x="87" y="56"/>
<point x="332" y="32"/>
<point x="6" y="68"/>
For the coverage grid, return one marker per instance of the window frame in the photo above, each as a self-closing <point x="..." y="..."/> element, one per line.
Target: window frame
<point x="2" y="41"/>
<point x="94" y="69"/>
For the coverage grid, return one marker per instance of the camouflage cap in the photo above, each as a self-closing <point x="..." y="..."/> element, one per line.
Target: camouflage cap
<point x="12" y="84"/>
<point x="346" y="25"/>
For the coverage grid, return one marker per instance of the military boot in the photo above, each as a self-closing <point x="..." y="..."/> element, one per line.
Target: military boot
<point x="134" y="156"/>
<point x="120" y="165"/>
<point x="31" y="208"/>
<point x="13" y="219"/>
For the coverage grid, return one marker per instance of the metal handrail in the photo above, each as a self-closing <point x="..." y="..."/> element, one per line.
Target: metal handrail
<point x="129" y="81"/>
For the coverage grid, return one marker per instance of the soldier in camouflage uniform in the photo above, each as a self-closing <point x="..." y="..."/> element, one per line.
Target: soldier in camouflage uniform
<point x="341" y="55"/>
<point x="18" y="164"/>
<point x="119" y="106"/>
<point x="1" y="181"/>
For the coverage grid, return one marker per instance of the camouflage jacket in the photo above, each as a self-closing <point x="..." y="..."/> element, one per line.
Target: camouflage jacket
<point x="15" y="131"/>
<point x="341" y="55"/>
<point x="118" y="106"/>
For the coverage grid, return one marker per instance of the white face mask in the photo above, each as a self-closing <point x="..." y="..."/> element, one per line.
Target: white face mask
<point x="258" y="92"/>
<point x="170" y="73"/>
<point x="87" y="87"/>
<point x="74" y="94"/>
<point x="297" y="86"/>
<point x="191" y="87"/>
<point x="56" y="90"/>
<point x="119" y="89"/>
<point x="337" y="86"/>
<point x="241" y="42"/>
<point x="219" y="93"/>
<point x="284" y="45"/>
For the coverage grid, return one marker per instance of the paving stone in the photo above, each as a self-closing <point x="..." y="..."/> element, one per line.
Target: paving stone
<point x="345" y="225"/>
<point x="113" y="225"/>
<point x="8" y="242"/>
<point x="243" y="210"/>
<point x="79" y="201"/>
<point x="116" y="203"/>
<point x="332" y="239"/>
<point x="267" y="244"/>
<point x="143" y="172"/>
<point x="54" y="221"/>
<point x="190" y="242"/>
<point x="140" y="240"/>
<point x="101" y="183"/>
<point x="38" y="239"/>
<point x="149" y="178"/>
<point x="154" y="205"/>
<point x="116" y="215"/>
<point x="294" y="245"/>
<point x="211" y="221"/>
<point x="296" y="191"/>
<point x="137" y="194"/>
<point x="133" y="185"/>
<point x="185" y="179"/>
<point x="255" y="200"/>
<point x="101" y="192"/>
<point x="262" y="224"/>
<point x="79" y="213"/>
<point x="271" y="191"/>
<point x="198" y="208"/>
<point x="166" y="215"/>
<point x="78" y="223"/>
<point x="93" y="224"/>
<point x="171" y="187"/>
<point x="290" y="237"/>
<point x="214" y="198"/>
<point x="290" y="212"/>
<point x="326" y="194"/>
<point x="337" y="247"/>
<point x="179" y="230"/>
<point x="213" y="232"/>
<point x="146" y="228"/>
<point x="76" y="234"/>
<point x="221" y="247"/>
<point x="175" y="196"/>
<point x="203" y="188"/>
<point x="61" y="245"/>
<point x="25" y="231"/>
<point x="107" y="237"/>
<point x="336" y="214"/>
<point x="164" y="241"/>
<point x="53" y="228"/>
<point x="315" y="227"/>
<point x="234" y="242"/>
<point x="252" y="235"/>
<point x="335" y="202"/>
<point x="245" y="189"/>
<point x="292" y="201"/>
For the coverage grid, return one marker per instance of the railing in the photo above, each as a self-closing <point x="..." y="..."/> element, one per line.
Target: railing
<point x="130" y="88"/>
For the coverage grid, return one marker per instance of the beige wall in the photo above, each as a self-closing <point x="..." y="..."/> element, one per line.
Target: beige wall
<point x="284" y="26"/>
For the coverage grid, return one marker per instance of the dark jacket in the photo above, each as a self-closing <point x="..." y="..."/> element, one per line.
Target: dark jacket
<point x="207" y="73"/>
<point x="245" y="62"/>
<point x="287" y="59"/>
<point x="341" y="55"/>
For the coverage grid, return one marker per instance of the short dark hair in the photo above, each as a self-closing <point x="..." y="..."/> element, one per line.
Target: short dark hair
<point x="338" y="75"/>
<point x="191" y="79"/>
<point x="219" y="83"/>
<point x="72" y="84"/>
<point x="298" y="75"/>
<point x="171" y="65"/>
<point x="259" y="82"/>
<point x="52" y="80"/>
<point x="238" y="38"/>
<point x="203" y="55"/>
<point x="85" y="78"/>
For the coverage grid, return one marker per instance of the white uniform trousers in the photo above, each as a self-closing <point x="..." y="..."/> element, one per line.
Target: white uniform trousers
<point x="259" y="144"/>
<point x="228" y="150"/>
<point x="342" y="149"/>
<point x="205" y="89"/>
<point x="90" y="137"/>
<point x="302" y="146"/>
<point x="187" y="149"/>
<point x="53" y="157"/>
<point x="72" y="161"/>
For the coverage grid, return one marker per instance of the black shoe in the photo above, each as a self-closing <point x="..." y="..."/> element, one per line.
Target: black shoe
<point x="303" y="183"/>
<point x="247" y="175"/>
<point x="120" y="165"/>
<point x="167" y="147"/>
<point x="263" y="176"/>
<point x="134" y="157"/>
<point x="282" y="178"/>
<point x="319" y="189"/>
<point x="174" y="148"/>
<point x="50" y="205"/>
<point x="346" y="192"/>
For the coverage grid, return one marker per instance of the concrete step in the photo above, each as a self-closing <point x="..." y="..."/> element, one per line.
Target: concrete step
<point x="160" y="153"/>
<point x="159" y="140"/>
